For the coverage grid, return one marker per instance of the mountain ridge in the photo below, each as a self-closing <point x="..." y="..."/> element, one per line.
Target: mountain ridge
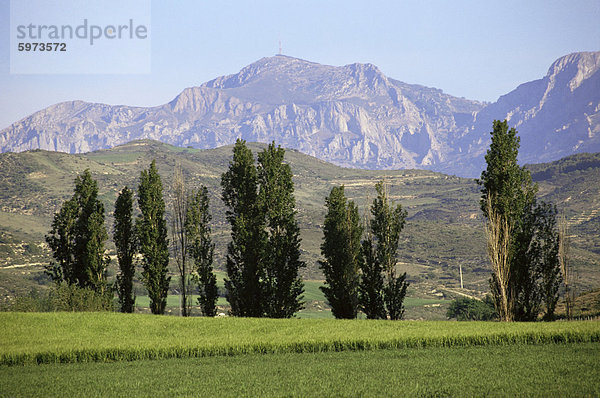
<point x="556" y="115"/>
<point x="352" y="115"/>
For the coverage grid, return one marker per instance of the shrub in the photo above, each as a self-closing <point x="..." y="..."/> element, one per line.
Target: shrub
<point x="6" y="250"/>
<point x="62" y="297"/>
<point x="34" y="301"/>
<point x="66" y="297"/>
<point x="32" y="248"/>
<point x="467" y="309"/>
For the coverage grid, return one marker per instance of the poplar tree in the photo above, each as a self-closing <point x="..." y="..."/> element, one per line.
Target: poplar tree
<point x="283" y="286"/>
<point x="531" y="253"/>
<point x="566" y="268"/>
<point x="245" y="251"/>
<point x="77" y="238"/>
<point x="548" y="268"/>
<point x="371" y="283"/>
<point x="387" y="223"/>
<point x="125" y="243"/>
<point x="510" y="186"/>
<point x="510" y="192"/>
<point x="151" y="228"/>
<point x="90" y="234"/>
<point x="61" y="240"/>
<point x="201" y="249"/>
<point x="341" y="251"/>
<point x="180" y="240"/>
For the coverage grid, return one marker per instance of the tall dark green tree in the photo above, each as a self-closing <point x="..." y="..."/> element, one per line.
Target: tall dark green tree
<point x="512" y="197"/>
<point x="341" y="250"/>
<point x="535" y="263"/>
<point x="524" y="289"/>
<point x="387" y="223"/>
<point x="77" y="238"/>
<point x="125" y="243"/>
<point x="546" y="246"/>
<point x="201" y="249"/>
<point x="151" y="228"/>
<point x="245" y="252"/>
<point x="394" y="294"/>
<point x="371" y="286"/>
<point x="509" y="185"/>
<point x="90" y="234"/>
<point x="61" y="240"/>
<point x="283" y="286"/>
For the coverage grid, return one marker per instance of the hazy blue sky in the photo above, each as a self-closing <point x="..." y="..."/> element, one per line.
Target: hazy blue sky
<point x="474" y="49"/>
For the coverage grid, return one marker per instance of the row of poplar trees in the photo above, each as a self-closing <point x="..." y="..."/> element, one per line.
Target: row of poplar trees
<point x="263" y="256"/>
<point x="78" y="235"/>
<point x="360" y="258"/>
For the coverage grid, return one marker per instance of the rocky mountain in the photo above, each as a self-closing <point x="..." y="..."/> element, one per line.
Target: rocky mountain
<point x="555" y="116"/>
<point x="351" y="115"/>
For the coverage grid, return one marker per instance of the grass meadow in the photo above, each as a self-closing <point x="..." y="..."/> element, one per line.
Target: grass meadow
<point x="98" y="354"/>
<point x="513" y="370"/>
<point x="30" y="338"/>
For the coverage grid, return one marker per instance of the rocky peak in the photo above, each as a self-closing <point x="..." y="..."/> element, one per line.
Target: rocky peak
<point x="264" y="69"/>
<point x="367" y="76"/>
<point x="556" y="116"/>
<point x="574" y="69"/>
<point x="303" y="81"/>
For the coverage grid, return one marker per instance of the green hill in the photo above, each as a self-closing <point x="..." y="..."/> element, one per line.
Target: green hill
<point x="444" y="228"/>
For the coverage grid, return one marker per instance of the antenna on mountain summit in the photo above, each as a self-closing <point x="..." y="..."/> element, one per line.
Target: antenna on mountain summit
<point x="280" y="53"/>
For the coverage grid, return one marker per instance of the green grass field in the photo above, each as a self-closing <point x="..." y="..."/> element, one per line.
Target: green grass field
<point x="29" y="338"/>
<point x="517" y="370"/>
<point x="99" y="354"/>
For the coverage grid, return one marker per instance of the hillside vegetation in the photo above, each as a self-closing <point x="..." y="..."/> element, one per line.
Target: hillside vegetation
<point x="444" y="226"/>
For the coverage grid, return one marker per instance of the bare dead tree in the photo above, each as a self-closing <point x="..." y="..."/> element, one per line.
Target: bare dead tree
<point x="565" y="265"/>
<point x="498" y="233"/>
<point x="180" y="241"/>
